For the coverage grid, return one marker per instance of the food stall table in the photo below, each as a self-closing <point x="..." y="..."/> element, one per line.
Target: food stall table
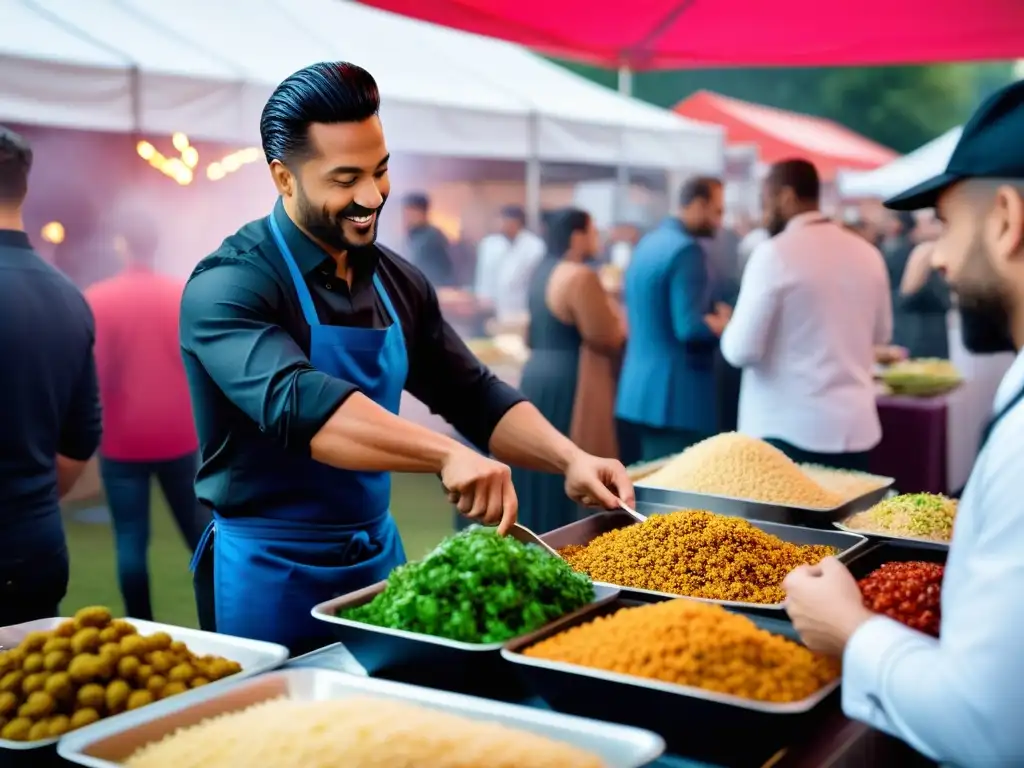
<point x="913" y="450"/>
<point x="838" y="743"/>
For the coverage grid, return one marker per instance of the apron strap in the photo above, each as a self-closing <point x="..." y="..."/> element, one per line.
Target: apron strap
<point x="305" y="297"/>
<point x="386" y="299"/>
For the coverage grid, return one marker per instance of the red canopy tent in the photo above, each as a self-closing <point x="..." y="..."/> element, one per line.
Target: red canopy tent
<point x="662" y="34"/>
<point x="780" y="135"/>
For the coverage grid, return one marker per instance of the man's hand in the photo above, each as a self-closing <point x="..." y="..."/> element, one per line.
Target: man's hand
<point x="480" y="488"/>
<point x="597" y="482"/>
<point x="718" y="319"/>
<point x="825" y="605"/>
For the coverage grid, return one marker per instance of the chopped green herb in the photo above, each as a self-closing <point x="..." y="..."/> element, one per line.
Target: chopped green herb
<point x="477" y="587"/>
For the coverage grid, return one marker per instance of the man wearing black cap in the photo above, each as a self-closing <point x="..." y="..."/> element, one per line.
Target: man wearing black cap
<point x="957" y="700"/>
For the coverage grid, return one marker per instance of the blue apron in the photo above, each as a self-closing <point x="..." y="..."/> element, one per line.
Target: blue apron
<point x="332" y="533"/>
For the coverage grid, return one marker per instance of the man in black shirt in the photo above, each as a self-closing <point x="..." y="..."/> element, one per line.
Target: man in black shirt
<point x="429" y="249"/>
<point x="49" y="411"/>
<point x="299" y="335"/>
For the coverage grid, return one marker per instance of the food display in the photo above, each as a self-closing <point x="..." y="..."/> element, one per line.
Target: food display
<point x="845" y="483"/>
<point x="477" y="587"/>
<point x="741" y="467"/>
<point x="91" y="667"/>
<point x="696" y="554"/>
<point x="694" y="644"/>
<point x="915" y="515"/>
<point x="922" y="377"/>
<point x="359" y="732"/>
<point x="909" y="592"/>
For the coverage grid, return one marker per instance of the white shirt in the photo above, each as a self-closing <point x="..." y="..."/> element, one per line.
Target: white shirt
<point x="503" y="270"/>
<point x="960" y="700"/>
<point x="814" y="301"/>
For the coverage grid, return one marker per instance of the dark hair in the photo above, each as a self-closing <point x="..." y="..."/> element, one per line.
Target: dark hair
<point x="328" y="92"/>
<point x="799" y="175"/>
<point x="561" y="227"/>
<point x="514" y="212"/>
<point x="907" y="220"/>
<point x="15" y="163"/>
<point x="698" y="188"/>
<point x="417" y="200"/>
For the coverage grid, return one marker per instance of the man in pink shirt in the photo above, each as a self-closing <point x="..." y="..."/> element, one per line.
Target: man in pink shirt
<point x="147" y="415"/>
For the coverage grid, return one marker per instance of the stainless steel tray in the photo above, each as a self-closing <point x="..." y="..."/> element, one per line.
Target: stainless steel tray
<point x="254" y="656"/>
<point x="873" y="557"/>
<point x="589" y="528"/>
<point x="908" y="540"/>
<point x="108" y="743"/>
<point x="411" y="657"/>
<point x="692" y="720"/>
<point x="759" y="510"/>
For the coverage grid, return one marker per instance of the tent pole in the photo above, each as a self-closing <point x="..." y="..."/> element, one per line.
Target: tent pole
<point x="621" y="196"/>
<point x="533" y="176"/>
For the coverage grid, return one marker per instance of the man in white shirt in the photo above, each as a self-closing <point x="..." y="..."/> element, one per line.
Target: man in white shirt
<point x="504" y="263"/>
<point x="958" y="699"/>
<point x="814" y="301"/>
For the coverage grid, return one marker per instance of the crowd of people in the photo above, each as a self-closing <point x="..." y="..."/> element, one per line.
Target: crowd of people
<point x="277" y="371"/>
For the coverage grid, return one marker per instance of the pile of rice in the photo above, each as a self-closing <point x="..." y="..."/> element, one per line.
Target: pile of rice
<point x="917" y="515"/>
<point x="731" y="464"/>
<point x="849" y="485"/>
<point x="359" y="732"/>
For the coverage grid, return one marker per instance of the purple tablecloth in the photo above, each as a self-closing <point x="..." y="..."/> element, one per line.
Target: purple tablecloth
<point x="913" y="447"/>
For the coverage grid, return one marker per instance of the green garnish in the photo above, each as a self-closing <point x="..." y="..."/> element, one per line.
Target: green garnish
<point x="477" y="587"/>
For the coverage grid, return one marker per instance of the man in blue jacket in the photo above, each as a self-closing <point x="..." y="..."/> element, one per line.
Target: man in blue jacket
<point x="667" y="385"/>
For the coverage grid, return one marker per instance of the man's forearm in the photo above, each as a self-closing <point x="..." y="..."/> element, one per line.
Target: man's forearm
<point x="365" y="437"/>
<point x="524" y="438"/>
<point x="68" y="472"/>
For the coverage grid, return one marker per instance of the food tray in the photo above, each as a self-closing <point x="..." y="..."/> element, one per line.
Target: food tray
<point x="254" y="656"/>
<point x="872" y="557"/>
<point x="411" y="657"/>
<point x="690" y="719"/>
<point x="108" y="744"/>
<point x="589" y="528"/>
<point x="907" y="540"/>
<point x="759" y="510"/>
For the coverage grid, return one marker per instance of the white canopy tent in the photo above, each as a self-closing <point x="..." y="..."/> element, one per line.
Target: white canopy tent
<point x="902" y="173"/>
<point x="206" y="67"/>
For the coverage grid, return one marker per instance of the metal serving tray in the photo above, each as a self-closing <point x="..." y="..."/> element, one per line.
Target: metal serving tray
<point x="692" y="720"/>
<point x="873" y="557"/>
<point x="913" y="541"/>
<point x="589" y="528"/>
<point x="759" y="510"/>
<point x="411" y="657"/>
<point x="254" y="656"/>
<point x="108" y="744"/>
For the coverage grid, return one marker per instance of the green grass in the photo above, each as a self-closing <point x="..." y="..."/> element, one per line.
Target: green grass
<point x="423" y="514"/>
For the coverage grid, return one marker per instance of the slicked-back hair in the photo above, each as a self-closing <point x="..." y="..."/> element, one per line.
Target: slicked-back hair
<point x="328" y="92"/>
<point x="15" y="164"/>
<point x="799" y="175"/>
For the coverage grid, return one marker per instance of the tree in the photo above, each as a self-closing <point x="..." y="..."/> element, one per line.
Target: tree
<point x="901" y="107"/>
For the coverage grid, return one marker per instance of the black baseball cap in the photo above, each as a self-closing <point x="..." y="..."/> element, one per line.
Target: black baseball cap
<point x="991" y="146"/>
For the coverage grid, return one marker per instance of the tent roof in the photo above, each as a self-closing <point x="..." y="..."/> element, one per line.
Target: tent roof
<point x="652" y="34"/>
<point x="903" y="173"/>
<point x="780" y="135"/>
<point x="207" y="67"/>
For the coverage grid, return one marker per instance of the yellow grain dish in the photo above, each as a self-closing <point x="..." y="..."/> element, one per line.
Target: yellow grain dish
<point x="356" y="733"/>
<point x="742" y="467"/>
<point x="918" y="515"/>
<point x="696" y="554"/>
<point x="91" y="667"/>
<point x="695" y="644"/>
<point x="848" y="485"/>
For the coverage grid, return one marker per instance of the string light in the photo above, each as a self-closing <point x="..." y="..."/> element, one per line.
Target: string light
<point x="178" y="168"/>
<point x="230" y="163"/>
<point x="53" y="232"/>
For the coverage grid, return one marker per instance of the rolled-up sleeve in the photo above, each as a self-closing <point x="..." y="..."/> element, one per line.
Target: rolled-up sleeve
<point x="82" y="428"/>
<point x="228" y="324"/>
<point x="448" y="378"/>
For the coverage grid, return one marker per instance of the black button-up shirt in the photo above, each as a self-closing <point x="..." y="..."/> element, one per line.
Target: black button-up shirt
<point x="50" y="403"/>
<point x="246" y="345"/>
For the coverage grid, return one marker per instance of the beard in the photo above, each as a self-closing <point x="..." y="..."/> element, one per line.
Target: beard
<point x="775" y="223"/>
<point x="983" y="305"/>
<point x="329" y="228"/>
